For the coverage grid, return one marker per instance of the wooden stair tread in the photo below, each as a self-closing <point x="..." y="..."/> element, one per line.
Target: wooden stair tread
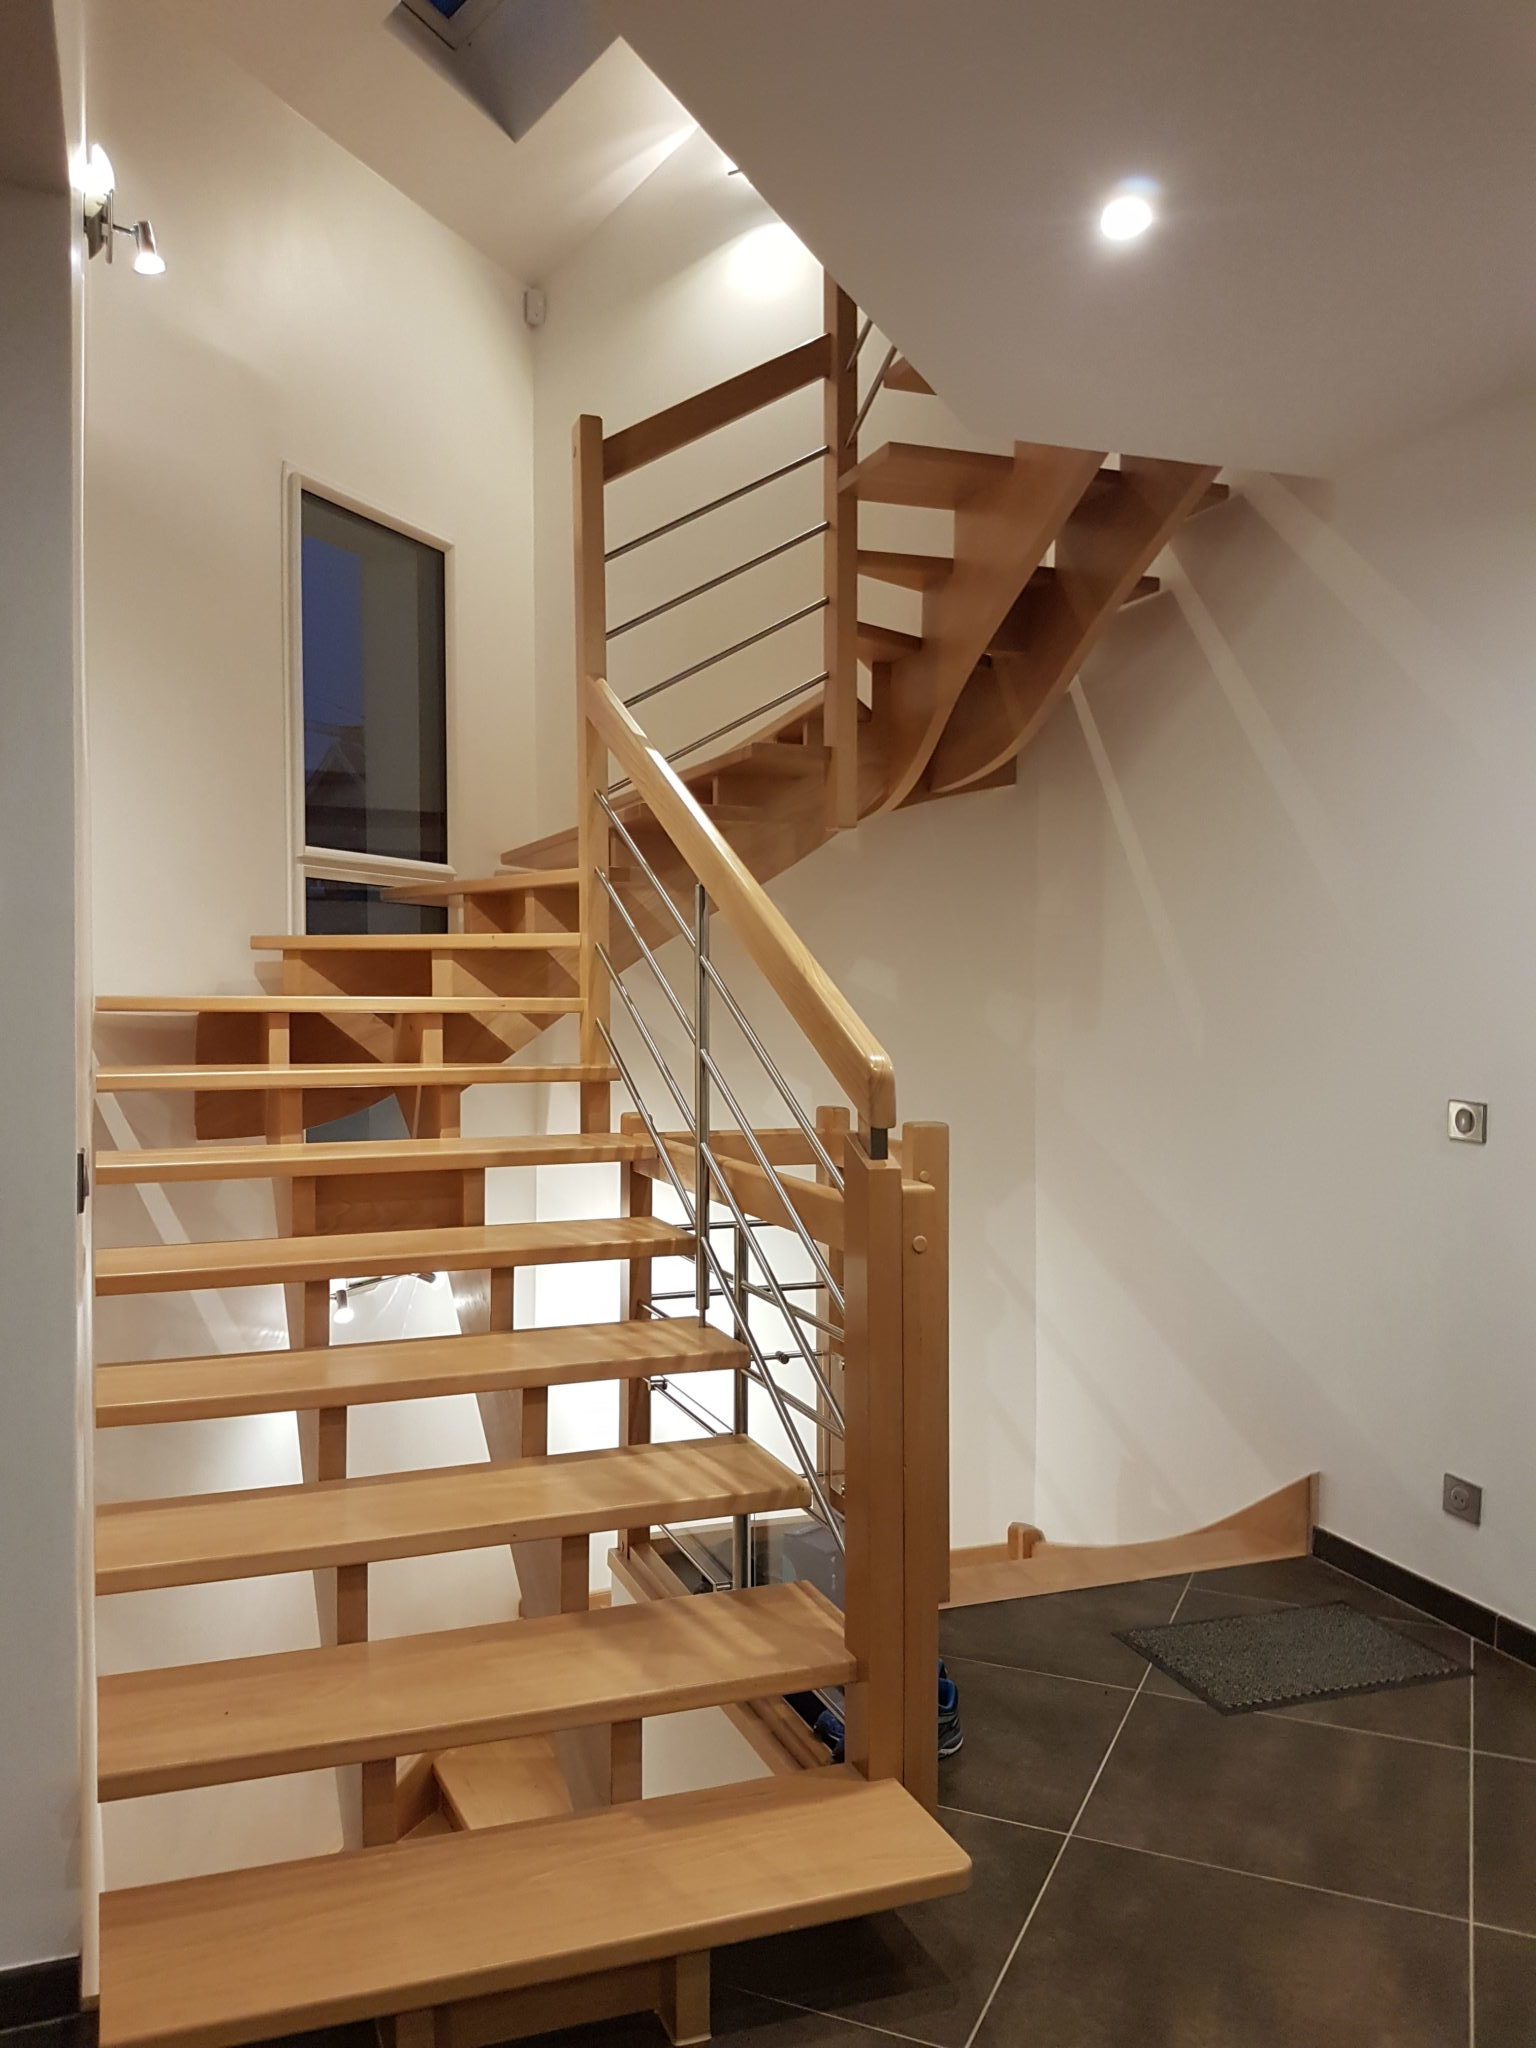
<point x="416" y="942"/>
<point x="402" y="1369"/>
<point x="912" y="572"/>
<point x="248" y="1954"/>
<point x="485" y="885"/>
<point x="909" y="473"/>
<point x="208" y="1537"/>
<point x="458" y="1248"/>
<point x="337" y="1005"/>
<point x="256" y="1717"/>
<point x="383" y="1074"/>
<point x="884" y="643"/>
<point x="491" y="1784"/>
<point x="902" y="376"/>
<point x="375" y="1155"/>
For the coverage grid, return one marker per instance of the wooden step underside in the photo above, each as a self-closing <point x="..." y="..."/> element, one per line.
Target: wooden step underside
<point x="381" y="1155"/>
<point x="481" y="1247"/>
<point x="211" y="1537"/>
<point x="260" y="1717"/>
<point x="520" y="883"/>
<point x="407" y="1369"/>
<point x="903" y="376"/>
<point x="416" y="942"/>
<point x="338" y="1005"/>
<point x="908" y="473"/>
<point x="212" y="1962"/>
<point x="385" y="1074"/>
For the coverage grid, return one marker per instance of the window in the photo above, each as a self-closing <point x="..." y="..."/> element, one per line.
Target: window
<point x="374" y="664"/>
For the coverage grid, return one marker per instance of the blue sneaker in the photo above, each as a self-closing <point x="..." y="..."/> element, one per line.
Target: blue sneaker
<point x="829" y="1729"/>
<point x="951" y="1737"/>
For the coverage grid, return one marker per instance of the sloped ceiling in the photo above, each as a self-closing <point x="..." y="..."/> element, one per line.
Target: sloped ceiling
<point x="1347" y="190"/>
<point x="375" y="86"/>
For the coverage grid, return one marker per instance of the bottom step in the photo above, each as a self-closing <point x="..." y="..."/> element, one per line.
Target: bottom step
<point x="254" y="1953"/>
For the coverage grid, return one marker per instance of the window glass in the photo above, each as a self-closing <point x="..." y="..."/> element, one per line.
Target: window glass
<point x="375" y="687"/>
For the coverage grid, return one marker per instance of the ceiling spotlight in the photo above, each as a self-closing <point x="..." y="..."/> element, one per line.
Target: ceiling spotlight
<point x="1125" y="216"/>
<point x="147" y="260"/>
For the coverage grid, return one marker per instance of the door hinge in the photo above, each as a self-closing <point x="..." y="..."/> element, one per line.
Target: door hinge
<point x="82" y="1183"/>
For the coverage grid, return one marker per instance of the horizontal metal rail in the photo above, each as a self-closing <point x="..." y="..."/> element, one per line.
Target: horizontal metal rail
<point x="697" y="668"/>
<point x="858" y="346"/>
<point x="796" y="1222"/>
<point x="715" y="582"/>
<point x="706" y="1156"/>
<point x="802" y="1315"/>
<point x="701" y="511"/>
<point x="722" y="988"/>
<point x="702" y="1239"/>
<point x="870" y="396"/>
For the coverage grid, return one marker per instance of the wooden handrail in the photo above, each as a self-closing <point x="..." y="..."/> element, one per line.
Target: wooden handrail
<point x="847" y="1048"/>
<point x="633" y="447"/>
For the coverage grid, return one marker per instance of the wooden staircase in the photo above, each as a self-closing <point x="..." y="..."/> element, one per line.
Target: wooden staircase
<point x="502" y="1873"/>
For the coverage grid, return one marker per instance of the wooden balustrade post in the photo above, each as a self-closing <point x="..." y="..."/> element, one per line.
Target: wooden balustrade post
<point x="840" y="558"/>
<point x="925" y="1435"/>
<point x="592" y="827"/>
<point x="875" y="1582"/>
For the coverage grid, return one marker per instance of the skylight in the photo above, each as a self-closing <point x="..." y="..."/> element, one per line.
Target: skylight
<point x="453" y="21"/>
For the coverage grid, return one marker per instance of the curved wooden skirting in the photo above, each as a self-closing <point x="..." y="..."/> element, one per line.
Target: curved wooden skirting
<point x="1279" y="1525"/>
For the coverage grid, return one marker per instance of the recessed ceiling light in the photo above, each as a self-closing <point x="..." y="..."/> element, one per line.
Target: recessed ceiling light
<point x="1125" y="216"/>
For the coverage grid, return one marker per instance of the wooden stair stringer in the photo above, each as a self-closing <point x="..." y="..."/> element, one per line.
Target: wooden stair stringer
<point x="1103" y="551"/>
<point x="1002" y="533"/>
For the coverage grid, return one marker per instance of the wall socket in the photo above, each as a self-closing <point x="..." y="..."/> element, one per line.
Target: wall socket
<point x="1459" y="1497"/>
<point x="1467" y="1122"/>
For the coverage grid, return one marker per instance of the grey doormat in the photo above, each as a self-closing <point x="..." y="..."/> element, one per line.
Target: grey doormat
<point x="1240" y="1663"/>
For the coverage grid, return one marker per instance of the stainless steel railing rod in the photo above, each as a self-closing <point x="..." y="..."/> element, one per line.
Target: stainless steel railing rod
<point x="660" y="611"/>
<point x="697" y="668"/>
<point x="700" y="511"/>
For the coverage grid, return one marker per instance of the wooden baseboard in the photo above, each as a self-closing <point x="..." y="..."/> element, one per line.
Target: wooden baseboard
<point x="1279" y="1525"/>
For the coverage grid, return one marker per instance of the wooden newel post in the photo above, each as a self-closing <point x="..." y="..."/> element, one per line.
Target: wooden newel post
<point x="840" y="556"/>
<point x="874" y="1594"/>
<point x="925" y="1432"/>
<point x="592" y="827"/>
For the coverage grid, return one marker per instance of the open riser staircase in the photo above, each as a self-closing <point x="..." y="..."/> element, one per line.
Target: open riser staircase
<point x="502" y="1873"/>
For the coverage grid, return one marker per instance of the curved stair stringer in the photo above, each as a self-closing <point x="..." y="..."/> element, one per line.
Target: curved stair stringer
<point x="1003" y="531"/>
<point x="1103" y="551"/>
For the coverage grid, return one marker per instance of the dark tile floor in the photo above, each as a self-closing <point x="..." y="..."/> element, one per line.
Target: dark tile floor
<point x="1151" y="1874"/>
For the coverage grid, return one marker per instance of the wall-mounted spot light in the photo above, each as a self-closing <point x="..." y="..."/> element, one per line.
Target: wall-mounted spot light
<point x="98" y="186"/>
<point x="342" y="1310"/>
<point x="1128" y="211"/>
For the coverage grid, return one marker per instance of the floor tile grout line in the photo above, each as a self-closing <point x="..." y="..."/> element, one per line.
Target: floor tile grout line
<point x="1295" y="1884"/>
<point x="1002" y="1820"/>
<point x="815" y="2011"/>
<point x="1515" y="1933"/>
<point x="1034" y="1671"/>
<point x="1472" y="1855"/>
<point x="981" y="2017"/>
<point x="1183" y="1699"/>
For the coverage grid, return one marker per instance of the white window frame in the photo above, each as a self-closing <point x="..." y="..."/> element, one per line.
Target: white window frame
<point x="371" y="870"/>
<point x="457" y="30"/>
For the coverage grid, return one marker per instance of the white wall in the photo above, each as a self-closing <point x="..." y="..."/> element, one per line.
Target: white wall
<point x="44" y="1455"/>
<point x="1286" y="843"/>
<point x="310" y="315"/>
<point x="1193" y="996"/>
